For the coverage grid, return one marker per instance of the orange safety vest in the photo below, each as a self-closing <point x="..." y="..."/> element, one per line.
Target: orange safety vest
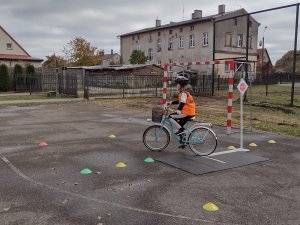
<point x="189" y="107"/>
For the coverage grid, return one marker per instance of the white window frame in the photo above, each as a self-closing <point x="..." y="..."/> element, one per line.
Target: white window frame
<point x="192" y="41"/>
<point x="227" y="68"/>
<point x="205" y="39"/>
<point x="181" y="42"/>
<point x="239" y="41"/>
<point x="170" y="44"/>
<point x="159" y="62"/>
<point x="170" y="67"/>
<point x="228" y="34"/>
<point x="150" y="54"/>
<point x="150" y="37"/>
<point x="250" y="42"/>
<point x="158" y="44"/>
<point x="138" y="47"/>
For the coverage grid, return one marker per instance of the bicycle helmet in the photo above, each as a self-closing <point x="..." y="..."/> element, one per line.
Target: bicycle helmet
<point x="182" y="80"/>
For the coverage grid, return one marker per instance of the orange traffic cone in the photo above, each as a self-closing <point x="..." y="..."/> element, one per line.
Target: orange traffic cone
<point x="43" y="144"/>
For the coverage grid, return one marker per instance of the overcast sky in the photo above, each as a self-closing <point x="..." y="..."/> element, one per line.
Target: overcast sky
<point x="44" y="27"/>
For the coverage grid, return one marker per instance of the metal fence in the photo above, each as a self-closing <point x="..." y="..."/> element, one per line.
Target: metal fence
<point x="44" y="82"/>
<point x="122" y="86"/>
<point x="276" y="78"/>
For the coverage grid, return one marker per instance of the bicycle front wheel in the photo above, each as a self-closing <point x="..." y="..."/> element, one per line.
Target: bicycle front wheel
<point x="202" y="141"/>
<point x="156" y="138"/>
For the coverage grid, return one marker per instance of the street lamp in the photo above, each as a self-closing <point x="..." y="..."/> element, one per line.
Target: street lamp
<point x="262" y="58"/>
<point x="263" y="47"/>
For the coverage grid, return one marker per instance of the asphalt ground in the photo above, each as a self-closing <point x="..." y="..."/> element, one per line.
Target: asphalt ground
<point x="44" y="185"/>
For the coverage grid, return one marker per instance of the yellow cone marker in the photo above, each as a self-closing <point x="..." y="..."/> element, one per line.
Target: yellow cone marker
<point x="121" y="165"/>
<point x="253" y="145"/>
<point x="112" y="136"/>
<point x="231" y="147"/>
<point x="211" y="207"/>
<point x="271" y="142"/>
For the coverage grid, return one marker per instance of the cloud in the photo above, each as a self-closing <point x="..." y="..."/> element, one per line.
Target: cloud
<point x="46" y="26"/>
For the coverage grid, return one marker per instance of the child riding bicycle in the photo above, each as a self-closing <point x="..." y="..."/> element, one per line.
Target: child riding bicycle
<point x="186" y="106"/>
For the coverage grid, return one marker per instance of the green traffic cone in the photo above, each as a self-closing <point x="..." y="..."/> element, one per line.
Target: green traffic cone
<point x="149" y="160"/>
<point x="85" y="171"/>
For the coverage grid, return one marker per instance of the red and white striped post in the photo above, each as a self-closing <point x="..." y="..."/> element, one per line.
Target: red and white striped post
<point x="216" y="62"/>
<point x="165" y="80"/>
<point x="230" y="96"/>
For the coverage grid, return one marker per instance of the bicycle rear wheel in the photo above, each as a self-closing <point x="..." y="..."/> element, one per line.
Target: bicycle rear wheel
<point x="156" y="138"/>
<point x="202" y="141"/>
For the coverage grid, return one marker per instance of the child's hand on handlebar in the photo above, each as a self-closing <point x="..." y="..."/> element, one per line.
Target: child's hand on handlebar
<point x="178" y="112"/>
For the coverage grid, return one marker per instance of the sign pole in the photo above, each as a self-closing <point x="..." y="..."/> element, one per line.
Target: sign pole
<point x="242" y="87"/>
<point x="241" y="120"/>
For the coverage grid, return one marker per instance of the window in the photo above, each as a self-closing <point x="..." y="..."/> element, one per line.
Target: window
<point x="158" y="34"/>
<point x="192" y="41"/>
<point x="170" y="69"/>
<point x="227" y="68"/>
<point x="138" y="37"/>
<point x="132" y="37"/>
<point x="240" y="40"/>
<point x="181" y="42"/>
<point x="181" y="30"/>
<point x="159" y="45"/>
<point x="250" y="23"/>
<point x="250" y="42"/>
<point x="159" y="62"/>
<point x="150" y="38"/>
<point x="205" y="39"/>
<point x="150" y="54"/>
<point x="170" y="31"/>
<point x="192" y="28"/>
<point x="228" y="39"/>
<point x="9" y="45"/>
<point x="138" y="47"/>
<point x="235" y="21"/>
<point x="170" y="44"/>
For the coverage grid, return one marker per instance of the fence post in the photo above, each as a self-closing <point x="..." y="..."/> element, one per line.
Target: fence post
<point x="86" y="87"/>
<point x="29" y="76"/>
<point x="156" y="84"/>
<point x="123" y="84"/>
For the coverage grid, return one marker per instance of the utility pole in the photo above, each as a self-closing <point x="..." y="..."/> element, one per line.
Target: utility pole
<point x="295" y="54"/>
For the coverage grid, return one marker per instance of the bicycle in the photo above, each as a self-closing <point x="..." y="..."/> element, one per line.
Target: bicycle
<point x="199" y="137"/>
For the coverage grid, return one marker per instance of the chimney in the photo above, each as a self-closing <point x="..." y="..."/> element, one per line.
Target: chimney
<point x="111" y="51"/>
<point x="197" y="14"/>
<point x="158" y="23"/>
<point x="221" y="9"/>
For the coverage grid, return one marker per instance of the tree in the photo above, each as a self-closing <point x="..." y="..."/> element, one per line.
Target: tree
<point x="54" y="61"/>
<point x="137" y="57"/>
<point x="18" y="69"/>
<point x="79" y="52"/>
<point x="4" y="78"/>
<point x="286" y="62"/>
<point x="30" y="69"/>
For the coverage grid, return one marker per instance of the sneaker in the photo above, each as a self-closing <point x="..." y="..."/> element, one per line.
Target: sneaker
<point x="180" y="132"/>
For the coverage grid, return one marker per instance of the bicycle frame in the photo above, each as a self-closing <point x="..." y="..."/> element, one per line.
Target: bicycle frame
<point x="165" y="123"/>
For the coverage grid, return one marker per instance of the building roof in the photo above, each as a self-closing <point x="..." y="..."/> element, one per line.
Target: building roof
<point x="1" y="28"/>
<point x="107" y="56"/>
<point x="117" y="68"/>
<point x="25" y="57"/>
<point x="19" y="57"/>
<point x="186" y="22"/>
